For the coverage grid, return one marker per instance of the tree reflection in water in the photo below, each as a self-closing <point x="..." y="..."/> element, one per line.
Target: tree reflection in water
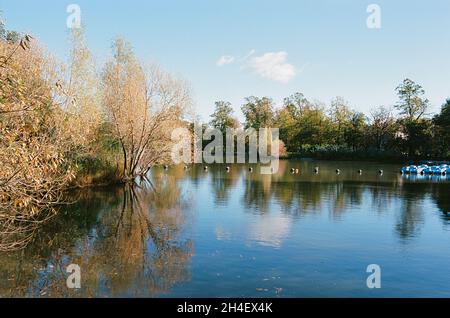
<point x="308" y="193"/>
<point x="135" y="241"/>
<point x="127" y="244"/>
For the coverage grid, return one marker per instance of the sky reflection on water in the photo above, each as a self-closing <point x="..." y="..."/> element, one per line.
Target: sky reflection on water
<point x="237" y="233"/>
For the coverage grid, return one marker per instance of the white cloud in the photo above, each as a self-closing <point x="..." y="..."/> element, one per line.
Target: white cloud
<point x="273" y="66"/>
<point x="224" y="60"/>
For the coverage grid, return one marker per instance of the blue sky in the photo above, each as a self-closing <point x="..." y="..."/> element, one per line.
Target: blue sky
<point x="321" y="48"/>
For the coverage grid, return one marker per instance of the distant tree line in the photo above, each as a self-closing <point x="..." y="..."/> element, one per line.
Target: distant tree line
<point x="310" y="128"/>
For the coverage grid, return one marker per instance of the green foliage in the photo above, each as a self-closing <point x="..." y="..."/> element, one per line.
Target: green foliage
<point x="310" y="129"/>
<point x="222" y="117"/>
<point x="13" y="37"/>
<point x="313" y="127"/>
<point x="442" y="124"/>
<point x="355" y="130"/>
<point x="296" y="104"/>
<point x="419" y="136"/>
<point x="258" y="112"/>
<point x="443" y="119"/>
<point x="412" y="104"/>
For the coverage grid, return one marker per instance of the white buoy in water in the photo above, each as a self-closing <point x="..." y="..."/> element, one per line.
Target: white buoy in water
<point x="228" y="168"/>
<point x="380" y="171"/>
<point x="338" y="171"/>
<point x="297" y="171"/>
<point x="360" y="171"/>
<point x="316" y="170"/>
<point x="250" y="169"/>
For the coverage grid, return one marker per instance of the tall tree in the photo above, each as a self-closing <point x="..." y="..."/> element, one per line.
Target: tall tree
<point x="81" y="93"/>
<point x="443" y="118"/>
<point x="313" y="127"/>
<point x="419" y="137"/>
<point x="412" y="102"/>
<point x="258" y="112"/>
<point x="355" y="130"/>
<point x="223" y="118"/>
<point x="413" y="106"/>
<point x="296" y="104"/>
<point x="382" y="127"/>
<point x="143" y="107"/>
<point x="287" y="118"/>
<point x="442" y="122"/>
<point x="340" y="115"/>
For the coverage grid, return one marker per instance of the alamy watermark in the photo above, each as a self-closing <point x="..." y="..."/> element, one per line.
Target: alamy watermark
<point x="73" y="21"/>
<point x="74" y="279"/>
<point x="374" y="279"/>
<point x="374" y="19"/>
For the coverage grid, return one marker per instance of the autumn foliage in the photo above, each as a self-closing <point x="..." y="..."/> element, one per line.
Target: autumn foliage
<point x="34" y="170"/>
<point x="66" y="124"/>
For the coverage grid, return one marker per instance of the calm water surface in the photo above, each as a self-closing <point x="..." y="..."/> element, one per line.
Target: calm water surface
<point x="218" y="234"/>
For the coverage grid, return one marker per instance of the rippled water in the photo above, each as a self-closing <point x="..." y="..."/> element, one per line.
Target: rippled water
<point x="216" y="233"/>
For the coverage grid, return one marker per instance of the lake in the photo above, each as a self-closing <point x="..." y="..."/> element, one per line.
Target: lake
<point x="196" y="233"/>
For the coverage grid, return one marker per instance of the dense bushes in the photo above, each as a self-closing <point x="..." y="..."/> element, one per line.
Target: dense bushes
<point x="63" y="125"/>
